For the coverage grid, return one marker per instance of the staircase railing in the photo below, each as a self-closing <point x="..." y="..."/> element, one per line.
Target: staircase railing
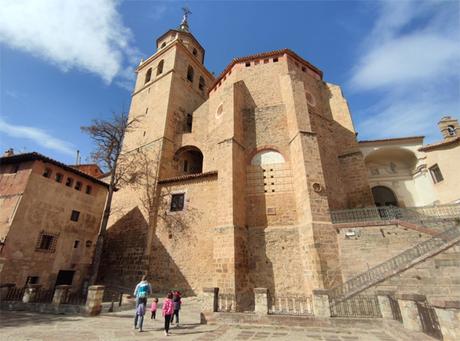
<point x="394" y="265"/>
<point x="417" y="215"/>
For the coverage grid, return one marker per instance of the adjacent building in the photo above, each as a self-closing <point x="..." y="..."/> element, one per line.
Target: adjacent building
<point x="49" y="221"/>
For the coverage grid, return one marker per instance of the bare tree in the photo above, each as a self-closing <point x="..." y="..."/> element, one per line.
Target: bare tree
<point x="108" y="137"/>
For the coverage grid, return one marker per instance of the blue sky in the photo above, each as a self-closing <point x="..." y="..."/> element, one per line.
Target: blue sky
<point x="65" y="62"/>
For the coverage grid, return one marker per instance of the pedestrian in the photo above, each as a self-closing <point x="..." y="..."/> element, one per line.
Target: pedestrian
<point x="168" y="310"/>
<point x="153" y="308"/>
<point x="140" y="312"/>
<point x="143" y="289"/>
<point x="177" y="302"/>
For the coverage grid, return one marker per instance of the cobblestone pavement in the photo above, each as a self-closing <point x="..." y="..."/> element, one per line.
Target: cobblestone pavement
<point x="15" y="326"/>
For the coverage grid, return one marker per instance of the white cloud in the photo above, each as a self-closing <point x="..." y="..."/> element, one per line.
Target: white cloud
<point x="411" y="60"/>
<point x="38" y="136"/>
<point x="82" y="34"/>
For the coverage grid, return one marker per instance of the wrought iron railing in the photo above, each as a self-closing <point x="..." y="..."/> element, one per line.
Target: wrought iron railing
<point x="15" y="294"/>
<point x="226" y="303"/>
<point x="75" y="298"/>
<point x="394" y="265"/>
<point x="44" y="295"/>
<point x="357" y="306"/>
<point x="419" y="215"/>
<point x="290" y="305"/>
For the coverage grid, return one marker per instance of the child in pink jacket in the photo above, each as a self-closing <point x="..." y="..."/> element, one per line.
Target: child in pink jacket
<point x="153" y="308"/>
<point x="168" y="309"/>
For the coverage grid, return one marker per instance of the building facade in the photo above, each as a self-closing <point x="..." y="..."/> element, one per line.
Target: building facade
<point x="50" y="216"/>
<point x="406" y="173"/>
<point x="249" y="166"/>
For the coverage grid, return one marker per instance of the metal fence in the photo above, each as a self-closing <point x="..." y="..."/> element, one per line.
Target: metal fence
<point x="356" y="307"/>
<point x="290" y="305"/>
<point x="411" y="214"/>
<point x="44" y="295"/>
<point x="75" y="298"/>
<point x="226" y="303"/>
<point x="429" y="320"/>
<point x="15" y="294"/>
<point x="394" y="264"/>
<point x="395" y="310"/>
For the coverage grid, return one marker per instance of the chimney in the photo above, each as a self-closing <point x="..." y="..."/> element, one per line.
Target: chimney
<point x="9" y="152"/>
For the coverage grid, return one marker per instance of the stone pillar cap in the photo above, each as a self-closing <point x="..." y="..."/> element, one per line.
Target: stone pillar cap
<point x="96" y="287"/>
<point x="445" y="304"/>
<point x="385" y="292"/>
<point x="63" y="286"/>
<point x="410" y="297"/>
<point x="320" y="292"/>
<point x="260" y="290"/>
<point x="210" y="290"/>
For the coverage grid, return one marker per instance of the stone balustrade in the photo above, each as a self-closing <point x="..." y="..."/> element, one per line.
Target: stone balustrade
<point x="61" y="293"/>
<point x="321" y="306"/>
<point x="448" y="313"/>
<point x="409" y="311"/>
<point x="261" y="301"/>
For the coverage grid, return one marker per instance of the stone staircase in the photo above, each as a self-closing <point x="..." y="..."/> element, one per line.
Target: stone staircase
<point x="397" y="264"/>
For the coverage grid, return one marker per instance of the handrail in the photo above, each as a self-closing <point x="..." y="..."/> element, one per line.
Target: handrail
<point x="393" y="265"/>
<point x="411" y="214"/>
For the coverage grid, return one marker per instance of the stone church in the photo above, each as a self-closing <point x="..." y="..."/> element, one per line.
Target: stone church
<point x="247" y="167"/>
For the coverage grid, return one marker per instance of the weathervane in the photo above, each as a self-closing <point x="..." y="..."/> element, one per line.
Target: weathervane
<point x="184" y="24"/>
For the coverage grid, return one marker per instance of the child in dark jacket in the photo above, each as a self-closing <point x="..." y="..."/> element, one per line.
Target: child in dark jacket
<point x="176" y="304"/>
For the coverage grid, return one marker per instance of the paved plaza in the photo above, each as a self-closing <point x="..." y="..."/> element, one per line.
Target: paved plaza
<point x="118" y="326"/>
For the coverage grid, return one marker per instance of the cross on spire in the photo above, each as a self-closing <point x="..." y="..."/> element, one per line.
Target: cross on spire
<point x="184" y="24"/>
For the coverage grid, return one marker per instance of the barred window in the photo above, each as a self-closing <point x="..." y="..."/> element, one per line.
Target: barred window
<point x="436" y="174"/>
<point x="177" y="202"/>
<point x="46" y="242"/>
<point x="75" y="215"/>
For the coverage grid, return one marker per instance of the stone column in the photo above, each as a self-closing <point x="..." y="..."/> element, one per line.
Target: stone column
<point x="4" y="288"/>
<point x="384" y="303"/>
<point x="321" y="307"/>
<point x="210" y="300"/>
<point x="94" y="299"/>
<point x="409" y="311"/>
<point x="30" y="293"/>
<point x="61" y="293"/>
<point x="448" y="313"/>
<point x="261" y="301"/>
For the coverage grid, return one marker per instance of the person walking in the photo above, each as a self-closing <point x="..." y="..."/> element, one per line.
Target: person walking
<point x="153" y="308"/>
<point x="140" y="312"/>
<point x="143" y="289"/>
<point x="167" y="310"/>
<point x="176" y="305"/>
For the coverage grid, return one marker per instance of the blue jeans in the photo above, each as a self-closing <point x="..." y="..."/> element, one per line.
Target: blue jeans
<point x="140" y="319"/>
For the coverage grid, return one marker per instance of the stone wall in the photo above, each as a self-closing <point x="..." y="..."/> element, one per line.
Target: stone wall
<point x="363" y="248"/>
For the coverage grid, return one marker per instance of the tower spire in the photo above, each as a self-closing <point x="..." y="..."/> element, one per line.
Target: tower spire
<point x="184" y="24"/>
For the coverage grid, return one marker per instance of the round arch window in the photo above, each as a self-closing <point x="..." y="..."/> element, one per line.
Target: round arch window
<point x="266" y="157"/>
<point x="310" y="99"/>
<point x="195" y="52"/>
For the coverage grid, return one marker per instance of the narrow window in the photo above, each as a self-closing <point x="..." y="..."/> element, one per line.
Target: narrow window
<point x="160" y="67"/>
<point x="304" y="69"/>
<point x="146" y="110"/>
<point x="78" y="185"/>
<point x="248" y="64"/>
<point x="76" y="243"/>
<point x="75" y="215"/>
<point x="47" y="172"/>
<point x="195" y="52"/>
<point x="59" y="177"/>
<point x="177" y="202"/>
<point x="201" y="84"/>
<point x="32" y="280"/>
<point x="89" y="189"/>
<point x="185" y="168"/>
<point x="69" y="182"/>
<point x="46" y="242"/>
<point x="148" y="75"/>
<point x="188" y="123"/>
<point x="275" y="60"/>
<point x="190" y="73"/>
<point x="163" y="45"/>
<point x="436" y="174"/>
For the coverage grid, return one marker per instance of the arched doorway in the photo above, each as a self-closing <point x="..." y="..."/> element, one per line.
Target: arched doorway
<point x="383" y="196"/>
<point x="189" y="160"/>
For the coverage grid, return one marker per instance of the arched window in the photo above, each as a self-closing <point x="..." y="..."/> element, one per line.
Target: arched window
<point x="195" y="52"/>
<point x="148" y="75"/>
<point x="160" y="67"/>
<point x="190" y="160"/>
<point x="163" y="45"/>
<point x="266" y="157"/>
<point x="383" y="196"/>
<point x="190" y="73"/>
<point x="201" y="84"/>
<point x="451" y="130"/>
